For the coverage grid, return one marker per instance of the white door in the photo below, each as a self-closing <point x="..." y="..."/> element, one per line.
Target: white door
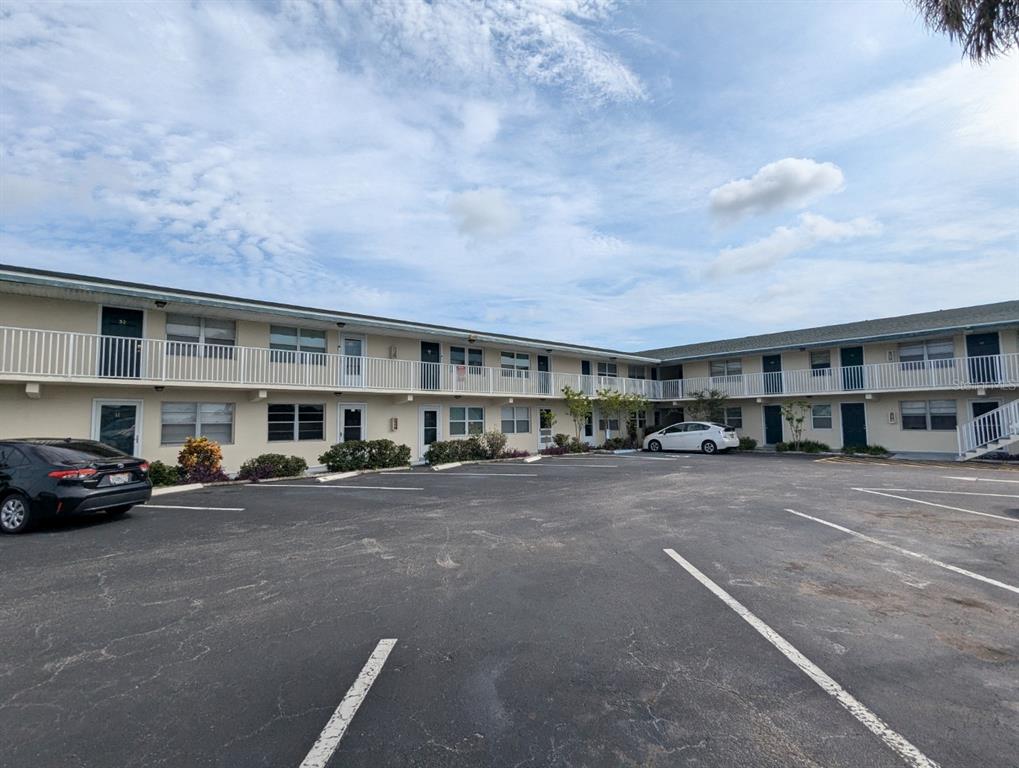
<point x="352" y="349"/>
<point x="118" y="423"/>
<point x="544" y="428"/>
<point x="352" y="424"/>
<point x="694" y="435"/>
<point x="672" y="437"/>
<point x="429" y="427"/>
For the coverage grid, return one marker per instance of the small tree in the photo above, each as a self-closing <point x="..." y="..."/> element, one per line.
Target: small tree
<point x="580" y="407"/>
<point x="795" y="414"/>
<point x="614" y="405"/>
<point x="637" y="403"/>
<point x="708" y="405"/>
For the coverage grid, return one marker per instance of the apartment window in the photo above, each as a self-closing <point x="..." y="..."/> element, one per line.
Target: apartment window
<point x="292" y="344"/>
<point x="186" y="333"/>
<point x="732" y="367"/>
<point x="637" y="372"/>
<point x="516" y="420"/>
<point x="820" y="416"/>
<point x="466" y="421"/>
<point x="734" y="417"/>
<point x="928" y="414"/>
<point x="466" y="356"/>
<point x="183" y="420"/>
<point x="915" y="354"/>
<point x="607" y="369"/>
<point x="820" y="362"/>
<point x="639" y="419"/>
<point x="606" y="425"/>
<point x="288" y="421"/>
<point x="515" y="363"/>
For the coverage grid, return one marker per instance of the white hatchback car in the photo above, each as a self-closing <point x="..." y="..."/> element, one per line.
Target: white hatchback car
<point x="704" y="436"/>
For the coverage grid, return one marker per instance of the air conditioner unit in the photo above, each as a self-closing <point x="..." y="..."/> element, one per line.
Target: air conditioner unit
<point x="394" y="424"/>
<point x="891" y="417"/>
<point x="392" y="352"/>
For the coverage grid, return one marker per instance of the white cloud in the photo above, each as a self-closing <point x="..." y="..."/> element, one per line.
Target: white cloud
<point x="785" y="241"/>
<point x="787" y="183"/>
<point x="483" y="213"/>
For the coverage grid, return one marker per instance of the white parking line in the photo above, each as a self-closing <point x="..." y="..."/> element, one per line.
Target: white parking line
<point x="572" y="464"/>
<point x="341" y="487"/>
<point x="902" y="551"/>
<point x="329" y="739"/>
<point x="474" y="474"/>
<point x="170" y="506"/>
<point x="954" y="493"/>
<point x="898" y="743"/>
<point x="942" y="506"/>
<point x="979" y="479"/>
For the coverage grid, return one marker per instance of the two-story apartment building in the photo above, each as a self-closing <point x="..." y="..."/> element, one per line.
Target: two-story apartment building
<point x="143" y="367"/>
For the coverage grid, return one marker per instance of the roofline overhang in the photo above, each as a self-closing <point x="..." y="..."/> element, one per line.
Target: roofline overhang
<point x="841" y="341"/>
<point x="30" y="276"/>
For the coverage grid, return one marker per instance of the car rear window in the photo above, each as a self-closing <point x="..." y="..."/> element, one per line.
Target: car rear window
<point x="73" y="452"/>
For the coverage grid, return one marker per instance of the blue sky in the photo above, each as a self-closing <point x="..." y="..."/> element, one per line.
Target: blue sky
<point x="631" y="175"/>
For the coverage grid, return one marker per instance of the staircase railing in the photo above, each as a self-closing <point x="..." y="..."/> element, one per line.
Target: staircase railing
<point x="988" y="428"/>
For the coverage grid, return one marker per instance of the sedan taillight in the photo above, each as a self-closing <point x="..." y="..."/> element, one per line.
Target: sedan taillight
<point x="72" y="474"/>
<point x="144" y="466"/>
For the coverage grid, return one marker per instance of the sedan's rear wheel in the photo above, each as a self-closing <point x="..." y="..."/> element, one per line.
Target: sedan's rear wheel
<point x="654" y="446"/>
<point x="708" y="446"/>
<point x="14" y="513"/>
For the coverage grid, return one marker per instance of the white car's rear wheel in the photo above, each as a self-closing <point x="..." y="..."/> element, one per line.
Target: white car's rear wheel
<point x="708" y="446"/>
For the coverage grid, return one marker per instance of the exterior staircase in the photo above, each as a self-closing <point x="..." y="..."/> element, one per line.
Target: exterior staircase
<point x="990" y="432"/>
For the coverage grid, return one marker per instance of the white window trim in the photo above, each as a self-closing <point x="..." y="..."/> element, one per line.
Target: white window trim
<point x="831" y="416"/>
<point x="515" y="408"/>
<point x="466" y="420"/>
<point x="297" y="424"/>
<point x="198" y="418"/>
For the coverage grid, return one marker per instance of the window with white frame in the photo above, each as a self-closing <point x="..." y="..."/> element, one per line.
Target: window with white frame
<point x="466" y="420"/>
<point x="194" y="335"/>
<point x="928" y="414"/>
<point x="733" y="367"/>
<point x="820" y="362"/>
<point x="515" y="419"/>
<point x="639" y="419"/>
<point x="290" y="345"/>
<point x="734" y="417"/>
<point x="608" y="369"/>
<point x="608" y="425"/>
<point x="820" y="416"/>
<point x="515" y="364"/>
<point x="183" y="420"/>
<point x="915" y="354"/>
<point x="471" y="356"/>
<point x="637" y="372"/>
<point x="289" y="421"/>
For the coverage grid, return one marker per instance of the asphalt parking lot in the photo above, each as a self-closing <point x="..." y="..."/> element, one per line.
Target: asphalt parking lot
<point x="807" y="613"/>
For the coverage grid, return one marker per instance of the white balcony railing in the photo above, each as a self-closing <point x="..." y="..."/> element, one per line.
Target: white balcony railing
<point x="953" y="373"/>
<point x="63" y="355"/>
<point x="35" y="353"/>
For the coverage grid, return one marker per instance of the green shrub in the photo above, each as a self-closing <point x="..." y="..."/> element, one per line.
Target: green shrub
<point x="494" y="444"/>
<point x="561" y="440"/>
<point x="747" y="443"/>
<point x="806" y="446"/>
<point x="353" y="455"/>
<point x="578" y="446"/>
<point x="272" y="465"/>
<point x="616" y="444"/>
<point x="870" y="450"/>
<point x="446" y="451"/>
<point x="163" y="474"/>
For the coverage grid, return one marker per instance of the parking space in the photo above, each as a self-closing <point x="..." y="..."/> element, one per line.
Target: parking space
<point x="806" y="613"/>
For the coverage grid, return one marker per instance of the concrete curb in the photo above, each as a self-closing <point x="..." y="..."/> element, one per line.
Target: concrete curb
<point x="532" y="459"/>
<point x="449" y="465"/>
<point x="163" y="490"/>
<point x="336" y="476"/>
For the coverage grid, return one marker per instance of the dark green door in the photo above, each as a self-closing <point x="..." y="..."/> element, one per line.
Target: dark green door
<point x="854" y="424"/>
<point x="772" y="424"/>
<point x="772" y="367"/>
<point x="430" y="367"/>
<point x="121" y="345"/>
<point x="982" y="349"/>
<point x="852" y="367"/>
<point x="544" y="375"/>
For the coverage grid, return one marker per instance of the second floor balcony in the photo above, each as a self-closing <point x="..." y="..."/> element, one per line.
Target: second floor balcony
<point x="41" y="355"/>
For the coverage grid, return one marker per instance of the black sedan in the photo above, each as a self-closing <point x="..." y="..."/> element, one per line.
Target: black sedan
<point x="51" y="477"/>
